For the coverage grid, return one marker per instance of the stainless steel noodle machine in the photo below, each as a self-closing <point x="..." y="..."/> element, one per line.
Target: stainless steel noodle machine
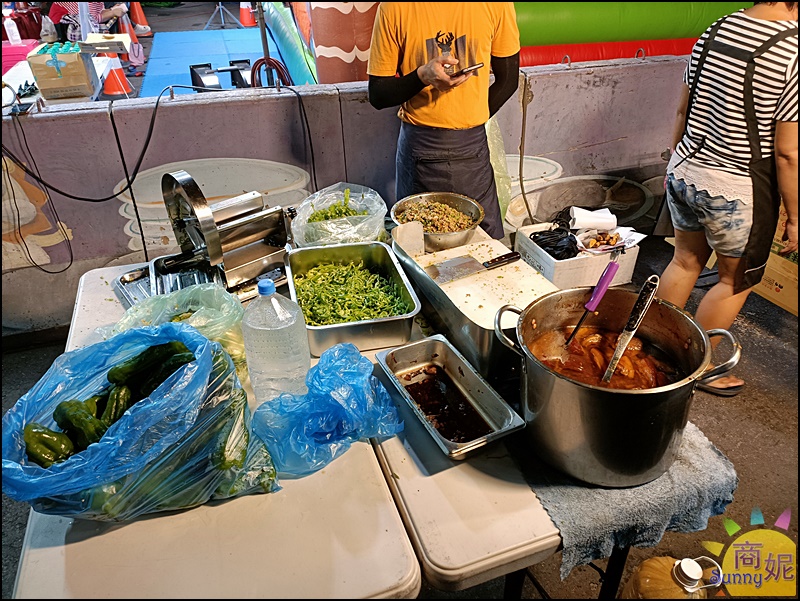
<point x="234" y="242"/>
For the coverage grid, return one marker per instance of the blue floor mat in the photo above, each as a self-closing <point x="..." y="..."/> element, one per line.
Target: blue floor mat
<point x="173" y="51"/>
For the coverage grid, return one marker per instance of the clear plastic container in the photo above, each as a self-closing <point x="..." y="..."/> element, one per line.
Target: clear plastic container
<point x="12" y="31"/>
<point x="275" y="344"/>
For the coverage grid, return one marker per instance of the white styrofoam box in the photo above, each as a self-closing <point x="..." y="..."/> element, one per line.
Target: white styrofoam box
<point x="582" y="270"/>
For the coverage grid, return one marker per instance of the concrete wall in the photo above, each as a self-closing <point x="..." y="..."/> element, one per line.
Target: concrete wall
<point x="607" y="117"/>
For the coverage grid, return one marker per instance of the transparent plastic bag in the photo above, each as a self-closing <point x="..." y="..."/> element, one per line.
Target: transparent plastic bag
<point x="48" y="32"/>
<point x="358" y="228"/>
<point x="344" y="403"/>
<point x="187" y="443"/>
<point x="497" y="156"/>
<point x="208" y="307"/>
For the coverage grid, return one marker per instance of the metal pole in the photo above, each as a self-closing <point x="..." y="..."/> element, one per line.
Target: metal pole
<point x="264" y="45"/>
<point x="83" y="19"/>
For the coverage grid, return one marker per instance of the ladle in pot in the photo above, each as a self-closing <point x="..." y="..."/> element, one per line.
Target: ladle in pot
<point x="640" y="307"/>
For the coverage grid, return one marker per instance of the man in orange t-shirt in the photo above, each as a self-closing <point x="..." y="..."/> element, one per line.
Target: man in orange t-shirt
<point x="416" y="47"/>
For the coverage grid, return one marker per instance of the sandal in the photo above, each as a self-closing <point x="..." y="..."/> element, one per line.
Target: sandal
<point x="727" y="391"/>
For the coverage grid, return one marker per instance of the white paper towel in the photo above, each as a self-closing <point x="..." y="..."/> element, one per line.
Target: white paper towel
<point x="602" y="219"/>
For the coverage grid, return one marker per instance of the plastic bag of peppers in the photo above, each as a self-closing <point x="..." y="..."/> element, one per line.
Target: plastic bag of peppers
<point x="152" y="419"/>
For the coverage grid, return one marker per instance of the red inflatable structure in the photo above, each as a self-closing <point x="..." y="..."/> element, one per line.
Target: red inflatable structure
<point x="531" y="56"/>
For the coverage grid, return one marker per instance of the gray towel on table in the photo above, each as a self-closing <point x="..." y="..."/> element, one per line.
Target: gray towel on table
<point x="593" y="520"/>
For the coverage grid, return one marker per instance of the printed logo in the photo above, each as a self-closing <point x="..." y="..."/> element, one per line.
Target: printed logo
<point x="56" y="64"/>
<point x="762" y="562"/>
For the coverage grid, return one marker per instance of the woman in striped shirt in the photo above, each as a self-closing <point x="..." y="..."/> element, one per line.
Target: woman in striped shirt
<point x="734" y="160"/>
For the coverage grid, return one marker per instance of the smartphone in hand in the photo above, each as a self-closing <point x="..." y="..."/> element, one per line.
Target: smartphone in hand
<point x="466" y="70"/>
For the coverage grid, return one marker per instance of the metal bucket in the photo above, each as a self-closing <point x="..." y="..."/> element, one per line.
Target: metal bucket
<point x="610" y="437"/>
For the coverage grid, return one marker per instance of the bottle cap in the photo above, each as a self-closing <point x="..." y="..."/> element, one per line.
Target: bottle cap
<point x="266" y="287"/>
<point x="688" y="572"/>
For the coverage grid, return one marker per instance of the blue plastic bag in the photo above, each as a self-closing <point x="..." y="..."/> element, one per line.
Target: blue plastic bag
<point x="185" y="444"/>
<point x="344" y="403"/>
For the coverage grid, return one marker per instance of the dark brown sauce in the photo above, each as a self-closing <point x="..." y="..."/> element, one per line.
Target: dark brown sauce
<point x="641" y="366"/>
<point x="446" y="408"/>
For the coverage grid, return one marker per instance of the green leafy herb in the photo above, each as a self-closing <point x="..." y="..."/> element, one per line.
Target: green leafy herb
<point x="336" y="210"/>
<point x="330" y="294"/>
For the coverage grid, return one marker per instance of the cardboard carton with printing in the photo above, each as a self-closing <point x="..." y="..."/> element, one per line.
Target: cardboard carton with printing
<point x="72" y="74"/>
<point x="779" y="284"/>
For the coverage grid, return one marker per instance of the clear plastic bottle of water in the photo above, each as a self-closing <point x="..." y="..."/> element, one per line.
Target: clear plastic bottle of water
<point x="275" y="344"/>
<point x="12" y="31"/>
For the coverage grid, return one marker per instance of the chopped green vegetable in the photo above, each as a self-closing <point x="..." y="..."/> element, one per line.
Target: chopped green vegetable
<point x="330" y="294"/>
<point x="182" y="316"/>
<point x="336" y="210"/>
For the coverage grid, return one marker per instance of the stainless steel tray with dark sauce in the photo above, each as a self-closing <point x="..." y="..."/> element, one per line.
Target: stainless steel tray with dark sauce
<point x="455" y="404"/>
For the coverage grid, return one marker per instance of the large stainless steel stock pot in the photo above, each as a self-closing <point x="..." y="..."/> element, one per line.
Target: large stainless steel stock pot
<point x="610" y="437"/>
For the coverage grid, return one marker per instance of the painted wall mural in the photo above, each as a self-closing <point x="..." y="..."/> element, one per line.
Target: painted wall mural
<point x="342" y="32"/>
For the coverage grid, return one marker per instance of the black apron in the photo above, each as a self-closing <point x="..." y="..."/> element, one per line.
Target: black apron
<point x="431" y="159"/>
<point x="763" y="171"/>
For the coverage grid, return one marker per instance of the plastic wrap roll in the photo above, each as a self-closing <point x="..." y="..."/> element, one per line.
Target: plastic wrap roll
<point x="546" y="23"/>
<point x="549" y="55"/>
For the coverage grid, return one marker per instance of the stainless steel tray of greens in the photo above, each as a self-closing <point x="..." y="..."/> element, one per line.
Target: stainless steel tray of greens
<point x="355" y="293"/>
<point x="455" y="404"/>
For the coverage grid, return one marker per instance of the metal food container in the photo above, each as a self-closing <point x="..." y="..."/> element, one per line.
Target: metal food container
<point x="406" y="365"/>
<point x="491" y="358"/>
<point x="445" y="240"/>
<point x="367" y="334"/>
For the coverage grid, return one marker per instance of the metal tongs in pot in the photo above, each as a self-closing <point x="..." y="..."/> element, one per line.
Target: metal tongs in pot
<point x="640" y="307"/>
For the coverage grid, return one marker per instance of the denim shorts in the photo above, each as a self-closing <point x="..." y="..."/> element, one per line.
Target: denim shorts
<point x="727" y="223"/>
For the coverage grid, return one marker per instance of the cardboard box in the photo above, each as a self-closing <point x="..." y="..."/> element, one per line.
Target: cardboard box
<point x="582" y="270"/>
<point x="118" y="43"/>
<point x="779" y="284"/>
<point x="73" y="76"/>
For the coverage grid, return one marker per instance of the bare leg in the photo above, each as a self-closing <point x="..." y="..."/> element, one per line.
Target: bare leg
<point x="691" y="254"/>
<point x="720" y="306"/>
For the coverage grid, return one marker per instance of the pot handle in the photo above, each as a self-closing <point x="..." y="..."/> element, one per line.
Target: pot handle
<point x="730" y="363"/>
<point x="498" y="331"/>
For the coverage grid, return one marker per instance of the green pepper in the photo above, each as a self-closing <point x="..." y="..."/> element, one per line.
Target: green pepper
<point x="128" y="370"/>
<point x="45" y="446"/>
<point x="119" y="399"/>
<point x="97" y="403"/>
<point x="75" y="418"/>
<point x="163" y="372"/>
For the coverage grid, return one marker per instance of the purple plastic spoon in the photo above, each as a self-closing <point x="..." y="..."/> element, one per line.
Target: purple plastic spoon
<point x="599" y="291"/>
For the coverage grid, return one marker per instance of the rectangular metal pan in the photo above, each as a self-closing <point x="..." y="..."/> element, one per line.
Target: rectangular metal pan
<point x="367" y="334"/>
<point x="402" y="365"/>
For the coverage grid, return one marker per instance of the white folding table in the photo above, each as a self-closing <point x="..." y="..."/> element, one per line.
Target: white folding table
<point x="333" y="534"/>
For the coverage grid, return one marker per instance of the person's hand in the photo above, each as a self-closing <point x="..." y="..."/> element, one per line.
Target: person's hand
<point x="119" y="10"/>
<point x="789" y="237"/>
<point x="433" y="74"/>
